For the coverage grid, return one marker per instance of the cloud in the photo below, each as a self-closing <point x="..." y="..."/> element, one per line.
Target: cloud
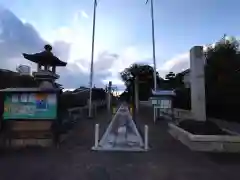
<point x="72" y="76"/>
<point x="78" y="15"/>
<point x="18" y="37"/>
<point x="176" y="64"/>
<point x="71" y="44"/>
<point x="84" y="14"/>
<point x="179" y="62"/>
<point x="62" y="49"/>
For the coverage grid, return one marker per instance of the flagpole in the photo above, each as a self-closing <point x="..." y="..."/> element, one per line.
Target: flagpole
<point x="92" y="58"/>
<point x="153" y="46"/>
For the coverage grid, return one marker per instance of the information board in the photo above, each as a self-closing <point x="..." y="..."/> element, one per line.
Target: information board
<point x="30" y="106"/>
<point x="162" y="103"/>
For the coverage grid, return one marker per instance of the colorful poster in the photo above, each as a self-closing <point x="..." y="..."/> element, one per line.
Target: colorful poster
<point x="30" y="106"/>
<point x="15" y="98"/>
<point x="24" y="97"/>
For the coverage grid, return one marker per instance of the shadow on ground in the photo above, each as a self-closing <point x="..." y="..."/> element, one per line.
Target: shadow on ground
<point x="167" y="160"/>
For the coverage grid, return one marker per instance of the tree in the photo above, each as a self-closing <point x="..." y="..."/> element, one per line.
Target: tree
<point x="170" y="80"/>
<point x="222" y="74"/>
<point x="170" y="76"/>
<point x="145" y="76"/>
<point x="173" y="81"/>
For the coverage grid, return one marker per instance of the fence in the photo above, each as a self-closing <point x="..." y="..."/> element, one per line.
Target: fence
<point x="181" y="114"/>
<point x="79" y="112"/>
<point x="167" y="113"/>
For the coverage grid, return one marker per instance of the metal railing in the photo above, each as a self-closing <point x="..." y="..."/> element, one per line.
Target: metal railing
<point x="167" y="113"/>
<point x="78" y="112"/>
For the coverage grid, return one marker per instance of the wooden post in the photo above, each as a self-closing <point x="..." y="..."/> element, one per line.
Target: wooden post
<point x="109" y="96"/>
<point x="54" y="69"/>
<point x="136" y="94"/>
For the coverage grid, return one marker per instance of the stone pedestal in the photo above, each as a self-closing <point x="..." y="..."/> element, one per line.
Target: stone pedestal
<point x="29" y="133"/>
<point x="197" y="83"/>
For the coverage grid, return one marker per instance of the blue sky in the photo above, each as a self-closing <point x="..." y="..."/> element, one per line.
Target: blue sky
<point x="124" y="28"/>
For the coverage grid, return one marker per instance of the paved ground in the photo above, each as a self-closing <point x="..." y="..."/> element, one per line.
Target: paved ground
<point x="167" y="160"/>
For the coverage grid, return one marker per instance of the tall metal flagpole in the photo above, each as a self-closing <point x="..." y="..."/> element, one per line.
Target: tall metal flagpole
<point x="153" y="46"/>
<point x="92" y="57"/>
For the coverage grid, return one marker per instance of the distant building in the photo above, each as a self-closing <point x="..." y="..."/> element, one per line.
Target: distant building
<point x="186" y="77"/>
<point x="6" y="70"/>
<point x="24" y="69"/>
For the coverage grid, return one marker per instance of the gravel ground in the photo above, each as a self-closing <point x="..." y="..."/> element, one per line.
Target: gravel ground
<point x="167" y="160"/>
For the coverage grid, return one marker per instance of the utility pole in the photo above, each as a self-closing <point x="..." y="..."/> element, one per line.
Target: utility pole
<point x="109" y="96"/>
<point x="92" y="58"/>
<point x="153" y="44"/>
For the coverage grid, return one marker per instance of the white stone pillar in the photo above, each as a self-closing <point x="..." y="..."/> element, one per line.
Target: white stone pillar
<point x="198" y="104"/>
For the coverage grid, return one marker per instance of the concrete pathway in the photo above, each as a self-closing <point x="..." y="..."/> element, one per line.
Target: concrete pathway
<point x="167" y="160"/>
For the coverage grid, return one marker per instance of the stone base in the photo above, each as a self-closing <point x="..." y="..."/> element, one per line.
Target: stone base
<point x="28" y="133"/>
<point x="134" y="149"/>
<point x="30" y="142"/>
<point x="206" y="143"/>
<point x="30" y="125"/>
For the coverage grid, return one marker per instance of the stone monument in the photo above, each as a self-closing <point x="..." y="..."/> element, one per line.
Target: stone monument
<point x="46" y="67"/>
<point x="197" y="83"/>
<point x="31" y="115"/>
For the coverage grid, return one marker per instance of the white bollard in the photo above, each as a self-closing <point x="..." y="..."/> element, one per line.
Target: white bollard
<point x="146" y="137"/>
<point x="96" y="135"/>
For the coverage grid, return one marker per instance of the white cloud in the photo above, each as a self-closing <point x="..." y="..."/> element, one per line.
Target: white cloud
<point x="107" y="60"/>
<point x="176" y="64"/>
<point x="73" y="44"/>
<point x="84" y="14"/>
<point x="175" y="60"/>
<point x="79" y="16"/>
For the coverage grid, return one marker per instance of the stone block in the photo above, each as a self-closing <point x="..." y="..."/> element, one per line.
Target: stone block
<point x="45" y="142"/>
<point x="30" y="125"/>
<point x="31" y="142"/>
<point x="16" y="143"/>
<point x="206" y="143"/>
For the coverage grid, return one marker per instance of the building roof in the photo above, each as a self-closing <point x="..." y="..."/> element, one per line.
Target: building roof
<point x="185" y="72"/>
<point x="28" y="90"/>
<point x="163" y="93"/>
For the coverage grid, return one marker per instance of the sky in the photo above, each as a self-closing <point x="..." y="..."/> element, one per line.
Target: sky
<point x="123" y="34"/>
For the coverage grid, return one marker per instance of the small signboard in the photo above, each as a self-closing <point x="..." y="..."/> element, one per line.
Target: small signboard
<point x="161" y="101"/>
<point x="30" y="106"/>
<point x="154" y="101"/>
<point x="163" y="104"/>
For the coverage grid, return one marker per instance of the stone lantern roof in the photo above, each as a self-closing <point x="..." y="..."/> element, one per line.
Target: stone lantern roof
<point x="45" y="57"/>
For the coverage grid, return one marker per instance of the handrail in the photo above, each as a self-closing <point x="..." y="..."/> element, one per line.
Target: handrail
<point x="79" y="109"/>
